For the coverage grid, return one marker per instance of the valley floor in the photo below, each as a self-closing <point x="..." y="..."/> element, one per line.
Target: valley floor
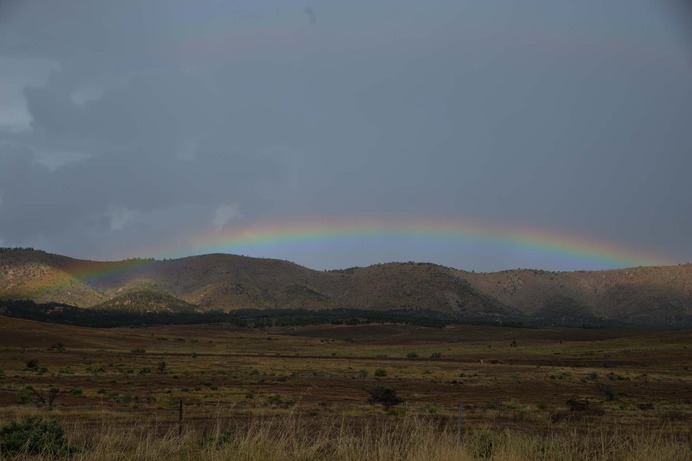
<point x="520" y="389"/>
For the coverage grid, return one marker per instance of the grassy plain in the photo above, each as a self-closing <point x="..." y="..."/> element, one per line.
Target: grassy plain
<point x="301" y="393"/>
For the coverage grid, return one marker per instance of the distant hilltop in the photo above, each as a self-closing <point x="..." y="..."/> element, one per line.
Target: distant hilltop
<point x="656" y="296"/>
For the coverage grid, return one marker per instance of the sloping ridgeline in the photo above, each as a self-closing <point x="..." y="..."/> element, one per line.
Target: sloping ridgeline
<point x="649" y="296"/>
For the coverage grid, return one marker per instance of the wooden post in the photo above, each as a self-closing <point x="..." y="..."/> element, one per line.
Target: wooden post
<point x="459" y="426"/>
<point x="180" y="417"/>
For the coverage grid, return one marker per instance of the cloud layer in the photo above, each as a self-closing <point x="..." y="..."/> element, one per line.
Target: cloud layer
<point x="128" y="124"/>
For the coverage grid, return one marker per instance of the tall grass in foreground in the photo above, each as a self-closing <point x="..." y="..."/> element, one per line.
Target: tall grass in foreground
<point x="386" y="439"/>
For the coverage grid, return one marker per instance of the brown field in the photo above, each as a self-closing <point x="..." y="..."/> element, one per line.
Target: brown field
<point x="514" y="384"/>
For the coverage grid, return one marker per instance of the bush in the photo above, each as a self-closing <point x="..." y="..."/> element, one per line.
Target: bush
<point x="491" y="405"/>
<point x="60" y="347"/>
<point x="35" y="436"/>
<point x="275" y="400"/>
<point x="39" y="397"/>
<point x="384" y="395"/>
<point x="380" y="372"/>
<point x="219" y="439"/>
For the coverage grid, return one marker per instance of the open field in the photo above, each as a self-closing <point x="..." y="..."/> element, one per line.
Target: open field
<point x="576" y="384"/>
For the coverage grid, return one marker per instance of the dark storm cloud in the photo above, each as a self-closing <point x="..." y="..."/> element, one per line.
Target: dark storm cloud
<point x="150" y="137"/>
<point x="681" y="13"/>
<point x="312" y="18"/>
<point x="133" y="122"/>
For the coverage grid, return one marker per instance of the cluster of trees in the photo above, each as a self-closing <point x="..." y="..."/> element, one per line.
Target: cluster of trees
<point x="264" y="318"/>
<point x="253" y="318"/>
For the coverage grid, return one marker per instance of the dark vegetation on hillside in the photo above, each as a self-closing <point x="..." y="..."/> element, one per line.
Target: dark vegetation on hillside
<point x="255" y="318"/>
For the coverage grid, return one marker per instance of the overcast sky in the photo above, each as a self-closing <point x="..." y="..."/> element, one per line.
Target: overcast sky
<point x="129" y="127"/>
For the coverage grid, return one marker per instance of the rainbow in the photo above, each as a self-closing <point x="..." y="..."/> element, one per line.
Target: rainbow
<point x="271" y="238"/>
<point x="72" y="271"/>
<point x="263" y="237"/>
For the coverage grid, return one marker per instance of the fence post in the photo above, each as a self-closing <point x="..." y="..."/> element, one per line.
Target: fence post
<point x="459" y="426"/>
<point x="180" y="417"/>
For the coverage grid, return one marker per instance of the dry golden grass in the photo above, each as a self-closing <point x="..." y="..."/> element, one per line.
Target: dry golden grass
<point x="292" y="437"/>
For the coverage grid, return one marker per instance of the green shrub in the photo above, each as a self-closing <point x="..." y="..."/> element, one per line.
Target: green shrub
<point x="491" y="404"/>
<point x="380" y="372"/>
<point x="645" y="406"/>
<point x="35" y="436"/>
<point x="60" y="347"/>
<point x="412" y="355"/>
<point x="394" y="411"/>
<point x="276" y="400"/>
<point x="219" y="439"/>
<point x="363" y="373"/>
<point x="384" y="395"/>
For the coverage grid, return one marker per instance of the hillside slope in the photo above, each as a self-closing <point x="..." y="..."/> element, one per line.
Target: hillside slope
<point x="44" y="277"/>
<point x="660" y="295"/>
<point x="145" y="301"/>
<point x="656" y="296"/>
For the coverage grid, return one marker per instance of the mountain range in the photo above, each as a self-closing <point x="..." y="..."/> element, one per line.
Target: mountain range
<point x="655" y="296"/>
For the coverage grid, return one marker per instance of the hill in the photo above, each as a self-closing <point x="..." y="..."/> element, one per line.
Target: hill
<point x="656" y="296"/>
<point x="44" y="277"/>
<point x="146" y="301"/>
<point x="653" y="296"/>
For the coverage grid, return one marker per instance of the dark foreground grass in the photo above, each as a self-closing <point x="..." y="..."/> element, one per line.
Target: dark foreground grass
<point x="292" y="437"/>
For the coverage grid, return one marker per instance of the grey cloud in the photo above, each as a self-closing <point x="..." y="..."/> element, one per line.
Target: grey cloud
<point x="154" y="116"/>
<point x="312" y="17"/>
